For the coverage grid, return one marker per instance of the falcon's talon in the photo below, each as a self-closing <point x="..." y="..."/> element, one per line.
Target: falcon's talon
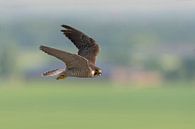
<point x="61" y="77"/>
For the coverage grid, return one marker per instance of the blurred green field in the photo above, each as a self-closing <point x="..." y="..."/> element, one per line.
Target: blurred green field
<point x="74" y="105"/>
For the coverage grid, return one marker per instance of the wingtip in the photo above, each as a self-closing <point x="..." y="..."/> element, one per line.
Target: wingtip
<point x="41" y="47"/>
<point x="66" y="26"/>
<point x="63" y="25"/>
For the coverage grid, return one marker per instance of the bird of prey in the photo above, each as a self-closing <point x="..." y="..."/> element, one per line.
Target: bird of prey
<point x="81" y="65"/>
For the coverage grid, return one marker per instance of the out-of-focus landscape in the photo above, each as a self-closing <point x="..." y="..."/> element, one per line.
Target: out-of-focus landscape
<point x="147" y="57"/>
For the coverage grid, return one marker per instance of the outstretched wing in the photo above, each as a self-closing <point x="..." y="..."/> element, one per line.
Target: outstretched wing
<point x="71" y="60"/>
<point x="87" y="46"/>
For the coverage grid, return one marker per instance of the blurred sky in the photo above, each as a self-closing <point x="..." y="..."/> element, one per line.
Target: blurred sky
<point x="94" y="2"/>
<point x="12" y="10"/>
<point x="16" y="6"/>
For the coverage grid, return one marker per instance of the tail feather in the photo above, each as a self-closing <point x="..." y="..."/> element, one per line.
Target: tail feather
<point x="52" y="73"/>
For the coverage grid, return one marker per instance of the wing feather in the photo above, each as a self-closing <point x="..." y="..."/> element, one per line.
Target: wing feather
<point x="71" y="60"/>
<point x="87" y="46"/>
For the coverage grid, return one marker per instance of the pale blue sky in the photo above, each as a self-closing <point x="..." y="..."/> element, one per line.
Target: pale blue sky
<point x="98" y="3"/>
<point x="9" y="8"/>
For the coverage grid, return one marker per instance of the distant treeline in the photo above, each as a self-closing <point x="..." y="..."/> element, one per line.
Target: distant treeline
<point x="120" y="39"/>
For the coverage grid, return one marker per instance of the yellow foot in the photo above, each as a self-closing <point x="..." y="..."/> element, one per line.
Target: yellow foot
<point x="61" y="77"/>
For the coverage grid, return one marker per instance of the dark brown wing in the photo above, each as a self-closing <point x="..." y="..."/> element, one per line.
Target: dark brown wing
<point x="86" y="45"/>
<point x="71" y="60"/>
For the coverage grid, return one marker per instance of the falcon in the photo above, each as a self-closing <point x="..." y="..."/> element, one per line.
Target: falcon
<point x="82" y="64"/>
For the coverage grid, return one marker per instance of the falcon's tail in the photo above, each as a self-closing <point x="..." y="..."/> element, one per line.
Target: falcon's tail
<point x="52" y="73"/>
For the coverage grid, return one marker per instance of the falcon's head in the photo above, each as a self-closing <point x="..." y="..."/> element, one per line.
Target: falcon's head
<point x="98" y="72"/>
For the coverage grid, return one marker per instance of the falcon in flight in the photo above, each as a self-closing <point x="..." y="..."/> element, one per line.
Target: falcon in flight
<point x="81" y="65"/>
